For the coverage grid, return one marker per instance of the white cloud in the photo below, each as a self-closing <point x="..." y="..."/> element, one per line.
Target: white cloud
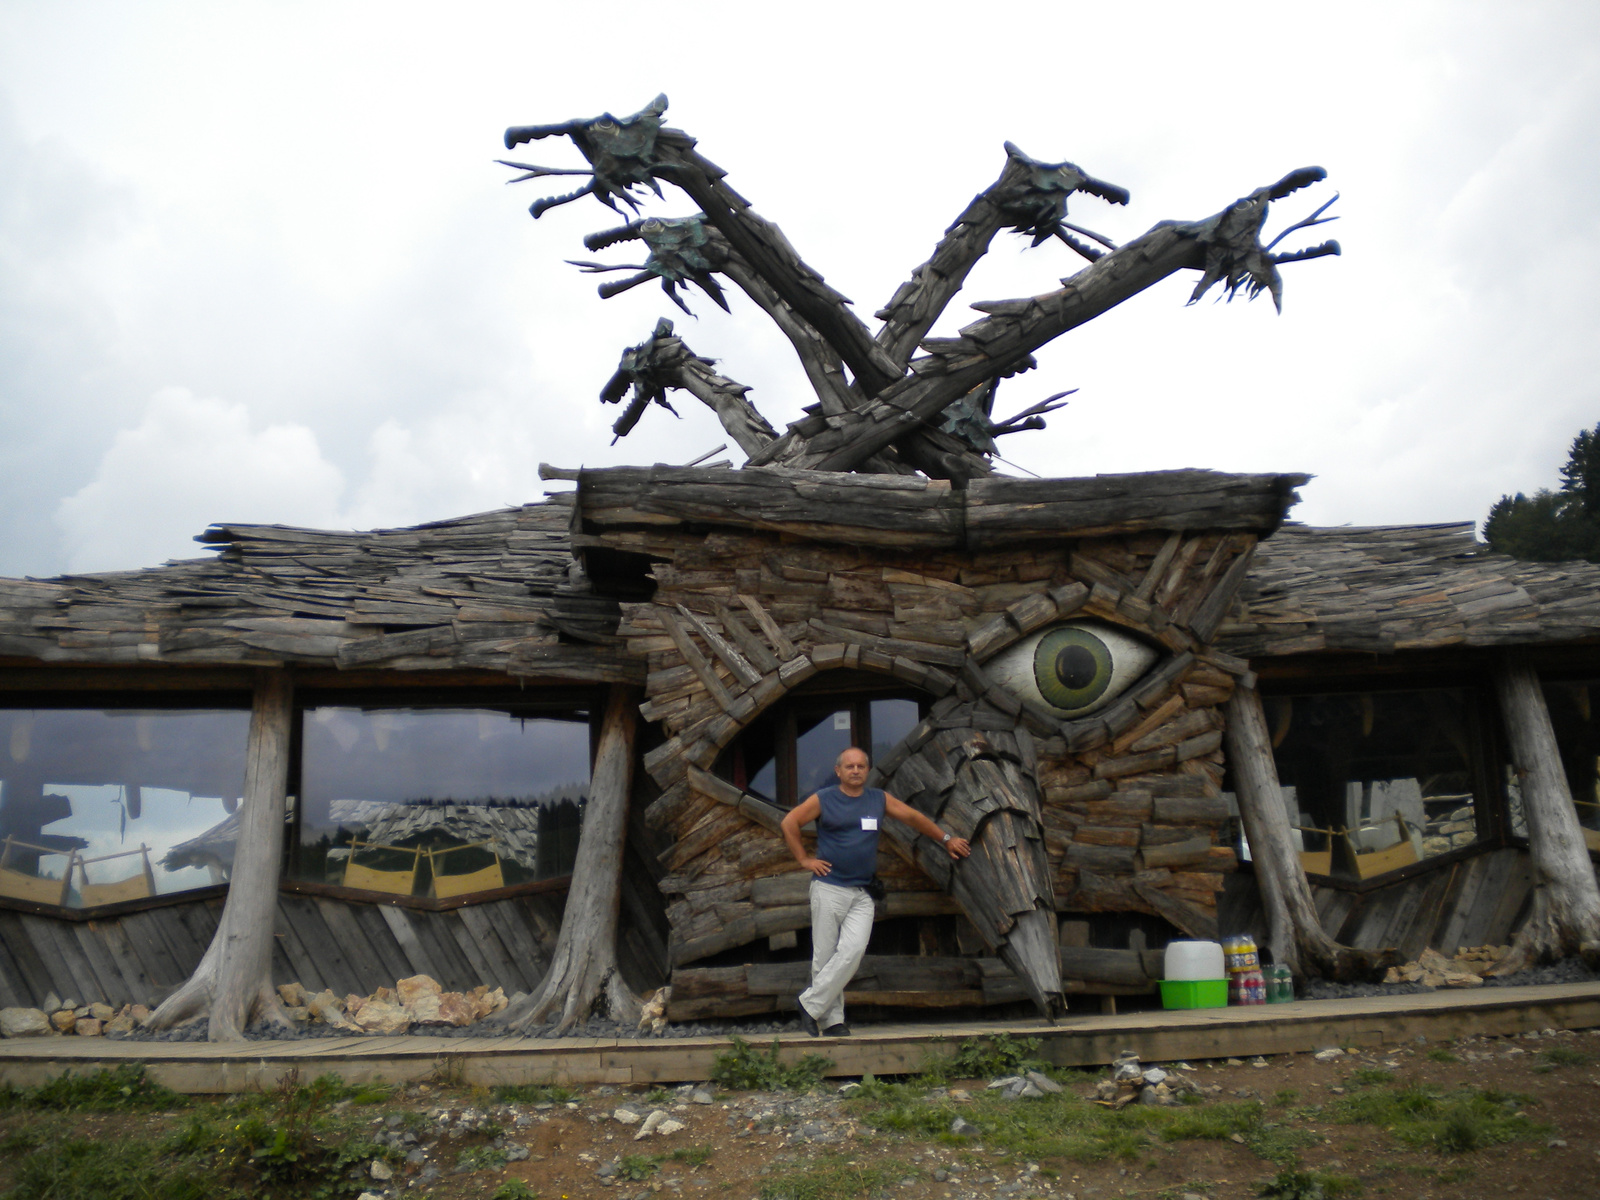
<point x="192" y="454"/>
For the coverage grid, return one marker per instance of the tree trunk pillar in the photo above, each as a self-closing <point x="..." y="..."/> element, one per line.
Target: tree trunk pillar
<point x="1566" y="899"/>
<point x="234" y="978"/>
<point x="1294" y="930"/>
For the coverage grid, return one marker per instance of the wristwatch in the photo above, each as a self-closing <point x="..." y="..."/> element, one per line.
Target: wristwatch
<point x="946" y="838"/>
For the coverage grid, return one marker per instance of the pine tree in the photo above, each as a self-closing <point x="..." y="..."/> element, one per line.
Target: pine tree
<point x="1554" y="526"/>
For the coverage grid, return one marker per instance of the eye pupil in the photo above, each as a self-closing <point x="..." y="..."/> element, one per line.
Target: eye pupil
<point x="1075" y="667"/>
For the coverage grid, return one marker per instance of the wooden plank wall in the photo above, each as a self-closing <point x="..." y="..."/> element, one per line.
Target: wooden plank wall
<point x="141" y="957"/>
<point x="1476" y="901"/>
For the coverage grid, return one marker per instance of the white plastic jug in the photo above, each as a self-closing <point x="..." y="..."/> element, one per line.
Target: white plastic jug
<point x="1194" y="960"/>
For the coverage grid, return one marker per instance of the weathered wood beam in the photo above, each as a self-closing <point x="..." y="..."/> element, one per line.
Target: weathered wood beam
<point x="1293" y="929"/>
<point x="1566" y="900"/>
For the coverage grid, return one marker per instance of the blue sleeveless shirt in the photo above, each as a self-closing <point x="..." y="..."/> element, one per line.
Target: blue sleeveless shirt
<point x="842" y="838"/>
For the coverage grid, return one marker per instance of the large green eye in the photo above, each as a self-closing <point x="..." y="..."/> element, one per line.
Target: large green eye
<point x="1073" y="669"/>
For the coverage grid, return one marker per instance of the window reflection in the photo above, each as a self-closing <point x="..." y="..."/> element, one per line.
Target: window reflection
<point x="789" y="752"/>
<point x="1376" y="781"/>
<point x="439" y="802"/>
<point x="105" y="805"/>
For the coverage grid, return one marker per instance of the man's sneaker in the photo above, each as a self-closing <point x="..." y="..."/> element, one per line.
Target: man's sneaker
<point x="839" y="1030"/>
<point x="808" y="1023"/>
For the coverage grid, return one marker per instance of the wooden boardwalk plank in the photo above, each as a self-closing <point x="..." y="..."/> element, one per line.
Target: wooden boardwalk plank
<point x="881" y="1048"/>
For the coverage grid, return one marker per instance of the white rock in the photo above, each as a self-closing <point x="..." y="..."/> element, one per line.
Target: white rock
<point x="1331" y="1054"/>
<point x="651" y="1124"/>
<point x="1154" y="1076"/>
<point x="1043" y="1082"/>
<point x="670" y="1126"/>
<point x="24" y="1022"/>
<point x="625" y="1116"/>
<point x="381" y="1171"/>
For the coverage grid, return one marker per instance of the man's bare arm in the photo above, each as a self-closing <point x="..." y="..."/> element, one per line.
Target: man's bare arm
<point x="903" y="812"/>
<point x="808" y="809"/>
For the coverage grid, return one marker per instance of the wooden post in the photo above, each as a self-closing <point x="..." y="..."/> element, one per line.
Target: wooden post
<point x="1566" y="900"/>
<point x="583" y="972"/>
<point x="1293" y="929"/>
<point x="233" y="982"/>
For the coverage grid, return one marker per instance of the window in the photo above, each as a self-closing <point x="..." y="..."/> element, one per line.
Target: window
<point x="789" y="752"/>
<point x="1378" y="781"/>
<point x="104" y="805"/>
<point x="439" y="802"/>
<point x="1577" y="728"/>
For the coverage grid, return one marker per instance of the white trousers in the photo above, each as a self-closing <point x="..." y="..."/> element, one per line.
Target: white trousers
<point x="841" y="924"/>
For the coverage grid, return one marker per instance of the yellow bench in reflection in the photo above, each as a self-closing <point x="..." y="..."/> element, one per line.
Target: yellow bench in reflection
<point x="482" y="880"/>
<point x="396" y="883"/>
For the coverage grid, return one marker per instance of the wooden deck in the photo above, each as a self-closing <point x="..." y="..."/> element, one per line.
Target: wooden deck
<point x="884" y="1049"/>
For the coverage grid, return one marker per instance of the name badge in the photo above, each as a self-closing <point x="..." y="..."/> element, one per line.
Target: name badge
<point x="869" y="822"/>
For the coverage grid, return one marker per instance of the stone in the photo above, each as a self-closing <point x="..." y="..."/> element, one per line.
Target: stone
<point x="24" y="1022"/>
<point x="424" y="1009"/>
<point x="139" y="1013"/>
<point x="87" y="1027"/>
<point x="298" y="1015"/>
<point x="649" y="1125"/>
<point x="962" y="1127"/>
<point x="381" y="1171"/>
<point x="1431" y="961"/>
<point x="380" y="1016"/>
<point x="102" y="1012"/>
<point x="121" y="1023"/>
<point x="669" y="1127"/>
<point x="1127" y="1070"/>
<point x="52" y="1002"/>
<point x="1004" y="1081"/>
<point x="413" y="987"/>
<point x="456" y="1009"/>
<point x="369" y="1196"/>
<point x="1331" y="1054"/>
<point x="1043" y="1082"/>
<point x="1258" y="1061"/>
<point x="625" y="1116"/>
<point x="383" y="995"/>
<point x="1457" y="840"/>
<point x="1462" y="979"/>
<point x="329" y="1009"/>
<point x="292" y="995"/>
<point x="1154" y="1075"/>
<point x="1435" y="845"/>
<point x="701" y="1096"/>
<point x="63" y="1020"/>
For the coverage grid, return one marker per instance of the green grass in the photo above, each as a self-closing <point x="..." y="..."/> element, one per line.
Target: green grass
<point x="1458" y="1121"/>
<point x="1560" y="1056"/>
<point x="984" y="1058"/>
<point x="1308" y="1185"/>
<point x="834" y="1179"/>
<point x="637" y="1167"/>
<point x="514" y="1189"/>
<point x="480" y="1158"/>
<point x="744" y="1068"/>
<point x="1369" y="1077"/>
<point x="122" y="1169"/>
<point x="1441" y="1056"/>
<point x="123" y="1089"/>
<point x="534" y="1093"/>
<point x="695" y="1156"/>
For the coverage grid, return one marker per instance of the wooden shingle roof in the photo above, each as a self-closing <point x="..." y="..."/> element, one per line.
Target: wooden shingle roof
<point x="1403" y="587"/>
<point x="497" y="591"/>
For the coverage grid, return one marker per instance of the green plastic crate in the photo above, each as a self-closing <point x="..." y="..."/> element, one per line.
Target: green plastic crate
<point x="1194" y="993"/>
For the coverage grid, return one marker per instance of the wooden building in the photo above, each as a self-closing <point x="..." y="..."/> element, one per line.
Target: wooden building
<point x="448" y="682"/>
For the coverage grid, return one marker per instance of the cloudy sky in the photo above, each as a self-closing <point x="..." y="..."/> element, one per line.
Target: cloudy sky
<point x="257" y="262"/>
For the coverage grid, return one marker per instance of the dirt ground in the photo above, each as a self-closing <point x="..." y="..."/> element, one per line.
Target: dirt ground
<point x="753" y="1142"/>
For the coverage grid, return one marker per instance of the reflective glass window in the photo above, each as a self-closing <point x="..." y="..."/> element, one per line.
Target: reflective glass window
<point x="439" y="802"/>
<point x="1377" y="781"/>
<point x="99" y="806"/>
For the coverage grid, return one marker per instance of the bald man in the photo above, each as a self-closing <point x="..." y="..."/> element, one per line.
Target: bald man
<point x="848" y="818"/>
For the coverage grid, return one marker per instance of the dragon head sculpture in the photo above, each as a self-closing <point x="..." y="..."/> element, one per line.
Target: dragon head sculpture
<point x="620" y="151"/>
<point x="1234" y="253"/>
<point x="683" y="250"/>
<point x="1036" y="202"/>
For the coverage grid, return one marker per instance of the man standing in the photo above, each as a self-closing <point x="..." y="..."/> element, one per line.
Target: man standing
<point x="847" y="817"/>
